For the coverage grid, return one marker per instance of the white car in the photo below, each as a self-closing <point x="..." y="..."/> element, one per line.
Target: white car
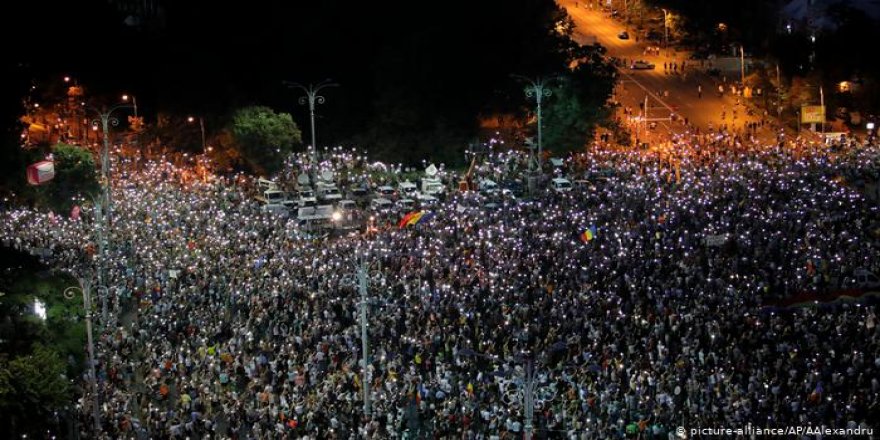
<point x="641" y="65"/>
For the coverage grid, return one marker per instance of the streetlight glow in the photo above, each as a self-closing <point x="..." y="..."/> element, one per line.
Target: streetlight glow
<point x="40" y="309"/>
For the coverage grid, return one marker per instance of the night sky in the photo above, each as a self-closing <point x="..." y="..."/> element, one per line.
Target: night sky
<point x="210" y="56"/>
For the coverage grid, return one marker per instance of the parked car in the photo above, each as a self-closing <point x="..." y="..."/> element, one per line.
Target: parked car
<point x="560" y="185"/>
<point x="862" y="279"/>
<point x="405" y="205"/>
<point x="386" y="192"/>
<point x="623" y="35"/>
<point x="641" y="65"/>
<point x="380" y="205"/>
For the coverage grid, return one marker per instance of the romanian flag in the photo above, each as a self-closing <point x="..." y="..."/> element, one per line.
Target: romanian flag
<point x="427" y="216"/>
<point x="410" y="219"/>
<point x="405" y="220"/>
<point x="415" y="219"/>
<point x="589" y="234"/>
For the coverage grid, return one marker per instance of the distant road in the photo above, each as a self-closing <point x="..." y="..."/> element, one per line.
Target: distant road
<point x="683" y="98"/>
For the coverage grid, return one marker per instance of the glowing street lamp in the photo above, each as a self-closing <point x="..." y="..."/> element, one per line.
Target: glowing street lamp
<point x="665" y="27"/>
<point x="191" y="119"/>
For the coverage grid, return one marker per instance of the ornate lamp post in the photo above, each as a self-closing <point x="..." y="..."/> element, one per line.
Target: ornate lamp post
<point x="106" y="119"/>
<point x="312" y="97"/>
<point x="69" y="293"/>
<point x="538" y="88"/>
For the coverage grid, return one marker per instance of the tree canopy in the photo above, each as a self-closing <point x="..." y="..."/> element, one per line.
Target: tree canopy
<point x="264" y="138"/>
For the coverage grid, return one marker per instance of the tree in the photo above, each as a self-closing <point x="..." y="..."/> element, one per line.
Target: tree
<point x="576" y="106"/>
<point x="264" y="138"/>
<point x="32" y="386"/>
<point x="75" y="177"/>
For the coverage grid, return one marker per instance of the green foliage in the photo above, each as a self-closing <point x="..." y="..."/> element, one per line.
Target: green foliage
<point x="39" y="378"/>
<point x="264" y="138"/>
<point x="75" y="176"/>
<point x="31" y="388"/>
<point x="576" y="106"/>
<point x="33" y="370"/>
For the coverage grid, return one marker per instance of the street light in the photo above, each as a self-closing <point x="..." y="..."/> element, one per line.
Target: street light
<point x="538" y="88"/>
<point x="136" y="122"/>
<point x="362" y="285"/>
<point x="69" y="293"/>
<point x="106" y="119"/>
<point x="192" y="119"/>
<point x="528" y="391"/>
<point x="311" y="98"/>
<point x="665" y="27"/>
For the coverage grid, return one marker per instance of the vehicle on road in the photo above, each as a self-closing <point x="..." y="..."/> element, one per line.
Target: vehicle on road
<point x="862" y="279"/>
<point x="307" y="198"/>
<point x="386" y="192"/>
<point x="641" y="65"/>
<point x="623" y="35"/>
<point x="560" y="185"/>
<point x="273" y="200"/>
<point x="381" y="206"/>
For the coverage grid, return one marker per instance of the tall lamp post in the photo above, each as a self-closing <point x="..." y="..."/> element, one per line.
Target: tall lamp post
<point x="538" y="88"/>
<point x="192" y="119"/>
<point x="312" y="97"/>
<point x="665" y="28"/>
<point x="528" y="392"/>
<point x="106" y="119"/>
<point x="135" y="122"/>
<point x="69" y="293"/>
<point x="362" y="282"/>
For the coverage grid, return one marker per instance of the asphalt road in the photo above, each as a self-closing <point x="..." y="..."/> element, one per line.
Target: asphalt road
<point x="667" y="93"/>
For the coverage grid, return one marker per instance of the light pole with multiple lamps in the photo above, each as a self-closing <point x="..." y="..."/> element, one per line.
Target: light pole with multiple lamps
<point x="665" y="28"/>
<point x="106" y="119"/>
<point x="528" y="389"/>
<point x="312" y="97"/>
<point x="539" y="88"/>
<point x="69" y="293"/>
<point x="362" y="281"/>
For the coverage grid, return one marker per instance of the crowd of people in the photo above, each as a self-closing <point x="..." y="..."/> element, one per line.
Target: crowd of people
<point x="232" y="324"/>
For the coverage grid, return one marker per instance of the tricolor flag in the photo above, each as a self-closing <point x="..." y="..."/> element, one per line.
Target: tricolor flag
<point x="416" y="218"/>
<point x="589" y="234"/>
<point x="427" y="216"/>
<point x="410" y="219"/>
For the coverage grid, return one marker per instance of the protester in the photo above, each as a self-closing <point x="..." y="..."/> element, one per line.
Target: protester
<point x="245" y="327"/>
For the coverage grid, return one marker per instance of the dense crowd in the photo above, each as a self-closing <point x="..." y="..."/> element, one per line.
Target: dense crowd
<point x="245" y="328"/>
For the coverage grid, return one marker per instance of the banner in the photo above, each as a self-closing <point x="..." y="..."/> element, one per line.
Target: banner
<point x="40" y="172"/>
<point x="811" y="114"/>
<point x="716" y="240"/>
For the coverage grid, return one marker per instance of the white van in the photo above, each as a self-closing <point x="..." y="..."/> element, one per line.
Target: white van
<point x="307" y="198"/>
<point x="560" y="185"/>
<point x="408" y="189"/>
<point x="273" y="200"/>
<point x="381" y="205"/>
<point x="265" y="185"/>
